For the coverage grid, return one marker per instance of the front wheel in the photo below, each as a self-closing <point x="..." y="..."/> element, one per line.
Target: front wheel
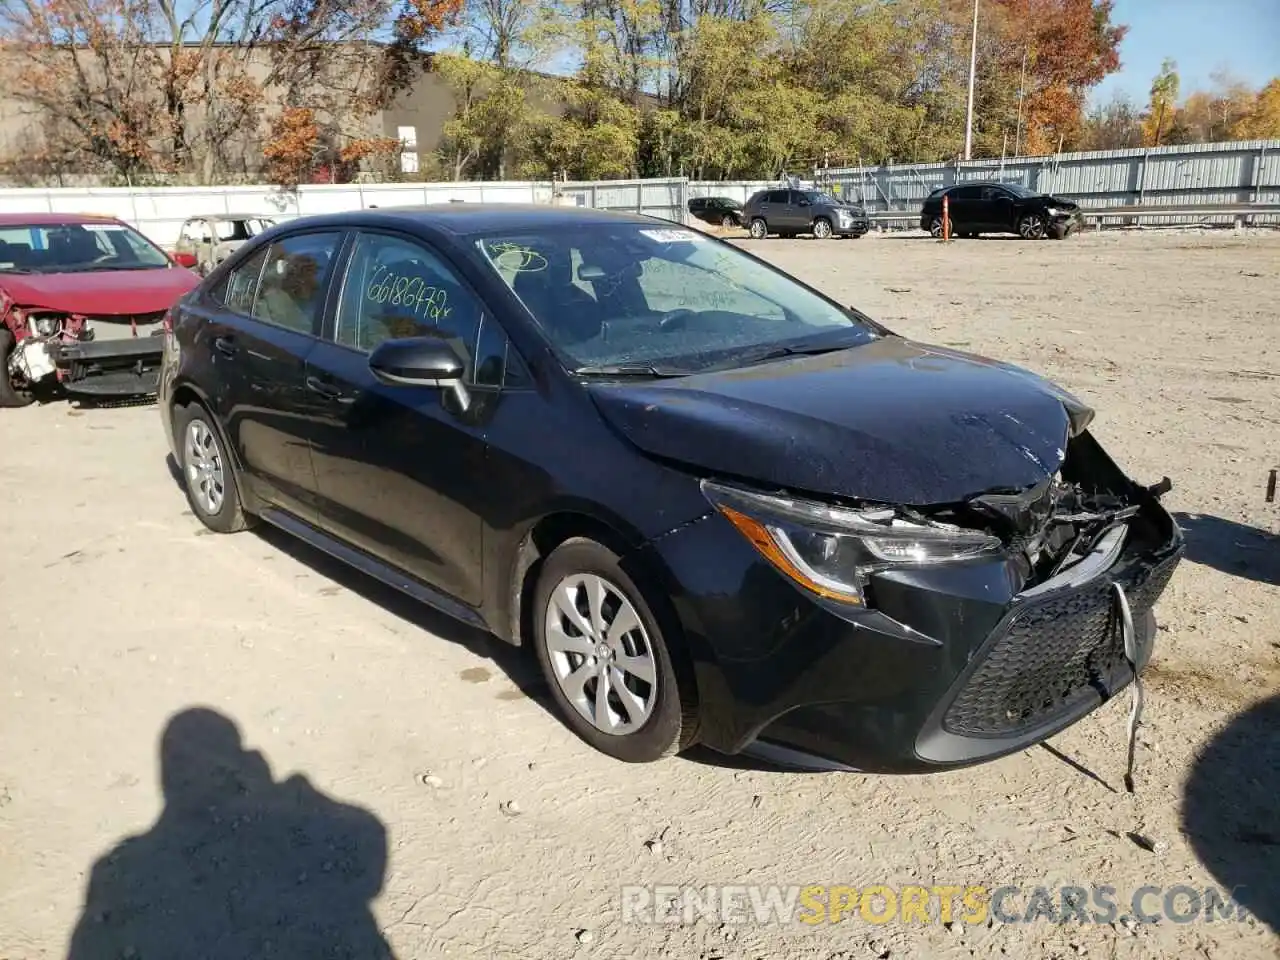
<point x="606" y="658"/>
<point x="759" y="229"/>
<point x="728" y="222"/>
<point x="1031" y="227"/>
<point x="822" y="229"/>
<point x="935" y="228"/>
<point x="10" y="396"/>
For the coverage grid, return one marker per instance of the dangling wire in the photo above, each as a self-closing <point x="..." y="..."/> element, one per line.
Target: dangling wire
<point x="1131" y="656"/>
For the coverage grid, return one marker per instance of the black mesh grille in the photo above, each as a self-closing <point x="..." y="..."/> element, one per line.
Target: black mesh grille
<point x="1053" y="654"/>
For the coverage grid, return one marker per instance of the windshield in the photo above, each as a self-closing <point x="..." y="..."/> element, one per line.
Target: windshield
<point x="75" y="248"/>
<point x="819" y="196"/>
<point x="633" y="294"/>
<point x="241" y="229"/>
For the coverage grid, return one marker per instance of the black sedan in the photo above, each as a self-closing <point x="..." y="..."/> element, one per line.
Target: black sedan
<point x="976" y="208"/>
<point x="721" y="507"/>
<point x="718" y="211"/>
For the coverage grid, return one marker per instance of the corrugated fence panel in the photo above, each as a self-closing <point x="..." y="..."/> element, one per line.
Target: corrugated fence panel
<point x="1206" y="173"/>
<point x="159" y="212"/>
<point x="1213" y="173"/>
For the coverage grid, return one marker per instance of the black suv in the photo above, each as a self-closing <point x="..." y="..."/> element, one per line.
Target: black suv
<point x="991" y="207"/>
<point x="721" y="211"/>
<point x="789" y="213"/>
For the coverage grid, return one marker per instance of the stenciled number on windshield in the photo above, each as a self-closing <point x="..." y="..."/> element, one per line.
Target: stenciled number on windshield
<point x="516" y="258"/>
<point x="412" y="292"/>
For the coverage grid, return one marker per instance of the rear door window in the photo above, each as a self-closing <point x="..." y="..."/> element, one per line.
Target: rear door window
<point x="294" y="281"/>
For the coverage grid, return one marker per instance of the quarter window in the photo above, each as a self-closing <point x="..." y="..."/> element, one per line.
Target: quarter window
<point x="396" y="287"/>
<point x="242" y="284"/>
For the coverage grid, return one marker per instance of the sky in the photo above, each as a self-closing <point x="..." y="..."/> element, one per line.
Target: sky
<point x="1242" y="36"/>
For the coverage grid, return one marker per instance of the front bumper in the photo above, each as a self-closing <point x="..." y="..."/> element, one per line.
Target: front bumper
<point x="953" y="666"/>
<point x="854" y="227"/>
<point x="127" y="366"/>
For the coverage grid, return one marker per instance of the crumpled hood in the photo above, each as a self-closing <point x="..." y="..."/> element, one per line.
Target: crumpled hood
<point x="102" y="293"/>
<point x="1062" y="202"/>
<point x="893" y="421"/>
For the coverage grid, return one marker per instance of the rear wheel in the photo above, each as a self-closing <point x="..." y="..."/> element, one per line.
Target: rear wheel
<point x="207" y="474"/>
<point x="759" y="229"/>
<point x="10" y="395"/>
<point x="606" y="657"/>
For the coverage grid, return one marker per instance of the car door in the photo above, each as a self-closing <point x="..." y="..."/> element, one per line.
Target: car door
<point x="186" y="238"/>
<point x="398" y="467"/>
<point x="799" y="211"/>
<point x="965" y="205"/>
<point x="274" y="302"/>
<point x="998" y="210"/>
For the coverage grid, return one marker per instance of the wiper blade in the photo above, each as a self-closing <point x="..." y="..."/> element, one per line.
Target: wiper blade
<point x="16" y="270"/>
<point x="779" y="353"/>
<point x="630" y="370"/>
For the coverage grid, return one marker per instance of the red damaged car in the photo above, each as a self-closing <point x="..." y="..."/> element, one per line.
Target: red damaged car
<point x="82" y="301"/>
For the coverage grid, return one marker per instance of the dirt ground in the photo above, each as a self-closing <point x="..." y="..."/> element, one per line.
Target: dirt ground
<point x="507" y="837"/>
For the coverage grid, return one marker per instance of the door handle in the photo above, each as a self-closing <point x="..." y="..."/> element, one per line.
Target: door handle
<point x="326" y="390"/>
<point x="225" y="346"/>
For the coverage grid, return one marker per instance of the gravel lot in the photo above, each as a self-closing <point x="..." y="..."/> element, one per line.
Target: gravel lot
<point x="506" y="837"/>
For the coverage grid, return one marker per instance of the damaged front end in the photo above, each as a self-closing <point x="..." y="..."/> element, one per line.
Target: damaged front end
<point x="114" y="357"/>
<point x="980" y="627"/>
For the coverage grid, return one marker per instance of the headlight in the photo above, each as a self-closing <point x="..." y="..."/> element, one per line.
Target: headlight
<point x="832" y="551"/>
<point x="1053" y="211"/>
<point x="46" y="325"/>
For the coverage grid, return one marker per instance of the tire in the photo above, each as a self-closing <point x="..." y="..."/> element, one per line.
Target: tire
<point x="194" y="427"/>
<point x="1031" y="226"/>
<point x="10" y="396"/>
<point x="822" y="229"/>
<point x="935" y="228"/>
<point x="664" y="712"/>
<point x="759" y="229"/>
<point x="728" y="222"/>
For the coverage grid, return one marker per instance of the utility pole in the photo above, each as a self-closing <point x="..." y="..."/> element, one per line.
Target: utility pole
<point x="1022" y="89"/>
<point x="973" y="63"/>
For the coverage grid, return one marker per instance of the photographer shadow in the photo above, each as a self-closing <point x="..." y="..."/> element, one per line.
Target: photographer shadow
<point x="237" y="865"/>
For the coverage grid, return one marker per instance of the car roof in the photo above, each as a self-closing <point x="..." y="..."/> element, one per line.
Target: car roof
<point x="462" y="219"/>
<point x="52" y="219"/>
<point x="231" y="216"/>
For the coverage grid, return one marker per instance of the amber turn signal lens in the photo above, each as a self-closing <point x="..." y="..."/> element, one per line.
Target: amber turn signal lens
<point x="764" y="541"/>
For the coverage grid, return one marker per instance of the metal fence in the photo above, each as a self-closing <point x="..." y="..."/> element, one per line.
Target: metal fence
<point x="1211" y="175"/>
<point x="159" y="212"/>
<point x="1207" y="174"/>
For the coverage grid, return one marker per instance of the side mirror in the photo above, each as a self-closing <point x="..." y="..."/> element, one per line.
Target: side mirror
<point x="804" y="203"/>
<point x="187" y="260"/>
<point x="419" y="362"/>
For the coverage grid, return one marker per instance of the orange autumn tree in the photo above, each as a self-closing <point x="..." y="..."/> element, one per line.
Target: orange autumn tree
<point x="196" y="88"/>
<point x="1048" y="55"/>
